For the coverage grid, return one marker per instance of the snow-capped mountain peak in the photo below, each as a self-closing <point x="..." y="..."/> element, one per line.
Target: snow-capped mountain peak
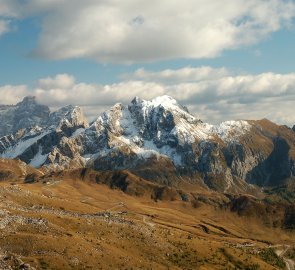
<point x="38" y="138"/>
<point x="127" y="136"/>
<point x="165" y="102"/>
<point x="71" y="116"/>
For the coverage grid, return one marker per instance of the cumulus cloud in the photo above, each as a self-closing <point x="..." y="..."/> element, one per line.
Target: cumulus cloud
<point x="186" y="74"/>
<point x="60" y="81"/>
<point x="11" y="94"/>
<point x="213" y="95"/>
<point x="144" y="31"/>
<point x="98" y="95"/>
<point x="8" y="12"/>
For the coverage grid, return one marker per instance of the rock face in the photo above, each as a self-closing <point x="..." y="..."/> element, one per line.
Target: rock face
<point x="27" y="113"/>
<point x="35" y="143"/>
<point x="162" y="141"/>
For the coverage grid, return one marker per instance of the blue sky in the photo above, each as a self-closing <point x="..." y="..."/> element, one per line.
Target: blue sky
<point x="111" y="51"/>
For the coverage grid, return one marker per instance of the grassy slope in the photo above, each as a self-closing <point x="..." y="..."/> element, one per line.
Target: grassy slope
<point x="138" y="233"/>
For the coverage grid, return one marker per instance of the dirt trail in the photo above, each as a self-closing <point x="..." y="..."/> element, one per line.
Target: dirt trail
<point x="289" y="264"/>
<point x="281" y="251"/>
<point x="152" y="225"/>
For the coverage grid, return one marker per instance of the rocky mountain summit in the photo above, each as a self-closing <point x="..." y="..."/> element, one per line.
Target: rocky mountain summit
<point x="34" y="140"/>
<point x="27" y="113"/>
<point x="158" y="140"/>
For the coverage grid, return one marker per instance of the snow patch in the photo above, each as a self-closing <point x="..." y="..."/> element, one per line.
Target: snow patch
<point x="21" y="146"/>
<point x="231" y="130"/>
<point x="150" y="149"/>
<point x="39" y="159"/>
<point x="78" y="132"/>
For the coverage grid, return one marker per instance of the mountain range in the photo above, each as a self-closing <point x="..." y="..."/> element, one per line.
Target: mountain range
<point x="146" y="185"/>
<point x="158" y="140"/>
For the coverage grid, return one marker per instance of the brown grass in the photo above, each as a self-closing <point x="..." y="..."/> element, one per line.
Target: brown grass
<point x="135" y="233"/>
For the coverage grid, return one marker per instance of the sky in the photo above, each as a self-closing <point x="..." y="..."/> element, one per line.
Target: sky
<point x="224" y="60"/>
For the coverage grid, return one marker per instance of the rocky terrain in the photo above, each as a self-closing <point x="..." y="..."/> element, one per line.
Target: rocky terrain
<point x="84" y="219"/>
<point x="158" y="140"/>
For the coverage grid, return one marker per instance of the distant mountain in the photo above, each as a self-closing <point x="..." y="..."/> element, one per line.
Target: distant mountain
<point x="158" y="140"/>
<point x="25" y="114"/>
<point x="33" y="141"/>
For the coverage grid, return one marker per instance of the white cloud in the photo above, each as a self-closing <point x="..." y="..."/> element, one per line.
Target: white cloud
<point x="9" y="8"/>
<point x="8" y="12"/>
<point x="144" y="31"/>
<point x="3" y="27"/>
<point x="186" y="74"/>
<point x="215" y="95"/>
<point x="98" y="95"/>
<point x="11" y="94"/>
<point x="60" y="81"/>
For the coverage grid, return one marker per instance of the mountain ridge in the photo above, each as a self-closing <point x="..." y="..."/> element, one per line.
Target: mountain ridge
<point x="157" y="139"/>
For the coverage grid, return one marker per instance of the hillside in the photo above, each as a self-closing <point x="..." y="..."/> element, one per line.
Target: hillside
<point x="17" y="171"/>
<point x="63" y="222"/>
<point x="82" y="218"/>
